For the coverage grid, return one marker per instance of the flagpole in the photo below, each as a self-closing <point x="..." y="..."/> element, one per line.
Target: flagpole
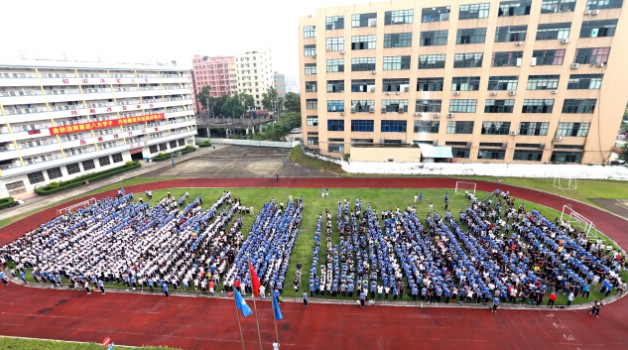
<point x="275" y="318"/>
<point x="240" y="327"/>
<point x="259" y="334"/>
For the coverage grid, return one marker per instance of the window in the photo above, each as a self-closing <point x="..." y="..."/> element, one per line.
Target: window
<point x="336" y="22"/>
<point x="585" y="81"/>
<point x="471" y="36"/>
<point x="426" y="126"/>
<point x="462" y="106"/>
<point x="538" y="106"/>
<point x="310" y="68"/>
<point x="429" y="84"/>
<point x="465" y="83"/>
<point x="393" y="126"/>
<point x="566" y="157"/>
<point x="73" y="168"/>
<point x="468" y="60"/>
<point x="510" y="34"/>
<point x="335" y="125"/>
<point x="309" y="32"/>
<point x="592" y="55"/>
<point x="579" y="106"/>
<point x="335" y="106"/>
<point x="543" y="82"/>
<point x="431" y="61"/>
<point x="435" y="14"/>
<point x="395" y="105"/>
<point x="361" y="141"/>
<point x="556" y="6"/>
<point x="336" y="148"/>
<point x="398" y="84"/>
<point x="363" y="64"/>
<point x="312" y="141"/>
<point x="547" y="57"/>
<point x="89" y="164"/>
<point x="399" y="17"/>
<point x="397" y="40"/>
<point x="335" y="86"/>
<point x="434" y="38"/>
<point x="487" y="153"/>
<point x="428" y="106"/>
<point x="495" y="128"/>
<point x="507" y="59"/>
<point x="363" y="42"/>
<point x="312" y="121"/>
<point x="152" y="149"/>
<point x="358" y="106"/>
<point x="362" y="20"/>
<point x="363" y="85"/>
<point x="396" y="62"/>
<point x="509" y="82"/>
<point x="499" y="106"/>
<point x="603" y="4"/>
<point x="597" y="29"/>
<point x="362" y="125"/>
<point x="514" y="8"/>
<point x="310" y="86"/>
<point x="309" y="50"/>
<point x="311" y="104"/>
<point x="117" y="158"/>
<point x="572" y="129"/>
<point x="35" y="178"/>
<point x="460" y="127"/>
<point x="335" y="44"/>
<point x="552" y="31"/>
<point x="533" y="129"/>
<point x="337" y="65"/>
<point x="54" y="173"/>
<point x="521" y="154"/>
<point x="460" y="152"/>
<point x="474" y="11"/>
<point x="104" y="161"/>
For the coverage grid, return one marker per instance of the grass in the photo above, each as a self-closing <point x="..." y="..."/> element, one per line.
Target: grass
<point x="24" y="343"/>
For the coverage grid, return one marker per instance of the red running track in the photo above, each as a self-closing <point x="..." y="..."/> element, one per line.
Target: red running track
<point x="209" y="323"/>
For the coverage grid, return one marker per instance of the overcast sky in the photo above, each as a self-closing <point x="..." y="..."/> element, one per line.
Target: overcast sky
<point x="141" y="30"/>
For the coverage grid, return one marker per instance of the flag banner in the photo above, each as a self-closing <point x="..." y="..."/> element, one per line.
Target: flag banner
<point x="278" y="315"/>
<point x="241" y="304"/>
<point x="255" y="283"/>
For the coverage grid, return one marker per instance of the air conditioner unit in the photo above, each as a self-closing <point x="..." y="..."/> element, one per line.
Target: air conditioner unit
<point x="435" y="143"/>
<point x="342" y="52"/>
<point x="595" y="12"/>
<point x="406" y="89"/>
<point x="575" y="65"/>
<point x="493" y="93"/>
<point x="329" y="48"/>
<point x="512" y="92"/>
<point x="436" y="115"/>
<point x="450" y="115"/>
<point x="554" y="91"/>
<point x="372" y="22"/>
<point x="387" y="92"/>
<point x="352" y="109"/>
<point x="513" y="133"/>
<point x="559" y="138"/>
<point x="587" y="12"/>
<point x="372" y="72"/>
<point x="371" y="109"/>
<point x="372" y="89"/>
<point x="600" y="65"/>
<point x="416" y="114"/>
<point x="519" y="43"/>
<point x="314" y="56"/>
<point x="456" y="93"/>
<point x="342" y="113"/>
<point x="397" y="93"/>
<point x="564" y="41"/>
<point x="541" y="145"/>
<point x="505" y="145"/>
<point x="383" y="109"/>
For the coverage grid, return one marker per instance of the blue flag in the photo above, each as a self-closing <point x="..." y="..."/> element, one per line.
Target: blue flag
<point x="278" y="315"/>
<point x="241" y="304"/>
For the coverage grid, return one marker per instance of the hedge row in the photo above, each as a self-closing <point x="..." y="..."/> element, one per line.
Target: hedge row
<point x="55" y="187"/>
<point x="6" y="202"/>
<point x="205" y="143"/>
<point x="165" y="156"/>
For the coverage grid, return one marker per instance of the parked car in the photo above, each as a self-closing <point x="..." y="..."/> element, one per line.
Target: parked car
<point x="617" y="162"/>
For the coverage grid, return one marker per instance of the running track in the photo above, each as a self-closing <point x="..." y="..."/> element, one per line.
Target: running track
<point x="209" y="323"/>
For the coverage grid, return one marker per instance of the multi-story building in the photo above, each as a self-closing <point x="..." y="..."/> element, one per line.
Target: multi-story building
<point x="219" y="73"/>
<point x="63" y="119"/>
<point x="280" y="84"/>
<point x="508" y="81"/>
<point x="254" y="72"/>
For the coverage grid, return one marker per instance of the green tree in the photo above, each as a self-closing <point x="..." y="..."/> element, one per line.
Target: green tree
<point x="624" y="152"/>
<point x="271" y="100"/>
<point x="293" y="102"/>
<point x="203" y="96"/>
<point x="237" y="105"/>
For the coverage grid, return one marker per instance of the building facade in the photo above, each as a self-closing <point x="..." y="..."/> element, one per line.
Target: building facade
<point x="280" y="84"/>
<point x="64" y="119"/>
<point x="497" y="81"/>
<point x="254" y="72"/>
<point x="219" y="73"/>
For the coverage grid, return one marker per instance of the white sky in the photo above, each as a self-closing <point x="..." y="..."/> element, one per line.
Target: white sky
<point x="145" y="31"/>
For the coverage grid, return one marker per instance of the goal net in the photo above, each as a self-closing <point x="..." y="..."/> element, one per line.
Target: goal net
<point x="578" y="222"/>
<point x="465" y="186"/>
<point x="565" y="184"/>
<point x="79" y="205"/>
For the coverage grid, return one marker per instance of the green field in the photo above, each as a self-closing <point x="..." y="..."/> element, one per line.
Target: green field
<point x="7" y="343"/>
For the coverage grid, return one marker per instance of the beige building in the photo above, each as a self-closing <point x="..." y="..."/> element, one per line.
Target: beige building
<point x="503" y="81"/>
<point x="254" y="73"/>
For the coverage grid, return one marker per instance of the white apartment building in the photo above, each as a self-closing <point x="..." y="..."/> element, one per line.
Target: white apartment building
<point x="254" y="72"/>
<point x="63" y="119"/>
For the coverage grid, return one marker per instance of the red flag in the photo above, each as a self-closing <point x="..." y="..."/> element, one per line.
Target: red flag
<point x="254" y="280"/>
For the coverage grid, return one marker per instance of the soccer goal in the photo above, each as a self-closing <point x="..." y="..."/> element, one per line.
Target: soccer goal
<point x="566" y="184"/>
<point x="578" y="221"/>
<point x="465" y="186"/>
<point x="79" y="205"/>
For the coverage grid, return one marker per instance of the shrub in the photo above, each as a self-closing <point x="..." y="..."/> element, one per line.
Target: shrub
<point x="6" y="202"/>
<point x="55" y="187"/>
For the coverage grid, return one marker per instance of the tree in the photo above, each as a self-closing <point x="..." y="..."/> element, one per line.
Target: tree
<point x="624" y="152"/>
<point x="203" y="96"/>
<point x="271" y="100"/>
<point x="238" y="104"/>
<point x="293" y="102"/>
